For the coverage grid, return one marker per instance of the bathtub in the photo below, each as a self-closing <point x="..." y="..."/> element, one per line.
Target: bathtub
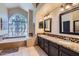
<point x="13" y="39"/>
<point x="8" y="43"/>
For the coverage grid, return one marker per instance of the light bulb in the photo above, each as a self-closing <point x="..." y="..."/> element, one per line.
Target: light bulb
<point x="62" y="9"/>
<point x="67" y="7"/>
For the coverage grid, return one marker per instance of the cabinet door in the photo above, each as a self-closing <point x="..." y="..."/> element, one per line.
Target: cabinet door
<point x="53" y="49"/>
<point x="63" y="54"/>
<point x="46" y="46"/>
<point x="68" y="52"/>
<point x="41" y="42"/>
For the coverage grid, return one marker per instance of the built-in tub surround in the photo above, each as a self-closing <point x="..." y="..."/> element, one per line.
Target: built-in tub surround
<point x="12" y="43"/>
<point x="68" y="44"/>
<point x="16" y="42"/>
<point x="13" y="40"/>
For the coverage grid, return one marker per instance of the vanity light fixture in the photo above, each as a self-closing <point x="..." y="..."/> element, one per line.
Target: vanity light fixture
<point x="66" y="6"/>
<point x="62" y="8"/>
<point x="49" y="16"/>
<point x="45" y="17"/>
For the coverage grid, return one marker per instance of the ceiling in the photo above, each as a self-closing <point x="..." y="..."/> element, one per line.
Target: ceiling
<point x="11" y="5"/>
<point x="35" y="4"/>
<point x="24" y="6"/>
<point x="43" y="9"/>
<point x="47" y="8"/>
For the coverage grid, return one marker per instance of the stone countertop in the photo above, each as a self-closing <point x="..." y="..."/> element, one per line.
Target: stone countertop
<point x="68" y="44"/>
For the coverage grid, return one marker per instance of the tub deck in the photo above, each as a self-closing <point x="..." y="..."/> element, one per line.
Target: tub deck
<point x="13" y="43"/>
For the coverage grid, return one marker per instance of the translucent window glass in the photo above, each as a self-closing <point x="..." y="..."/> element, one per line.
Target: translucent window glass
<point x="18" y="25"/>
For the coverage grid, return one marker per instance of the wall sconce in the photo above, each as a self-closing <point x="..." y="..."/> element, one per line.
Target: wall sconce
<point x="49" y="16"/>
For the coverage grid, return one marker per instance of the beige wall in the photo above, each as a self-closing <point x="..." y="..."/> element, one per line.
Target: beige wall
<point x="4" y="16"/>
<point x="37" y="29"/>
<point x="31" y="24"/>
<point x="55" y="24"/>
<point x="17" y="10"/>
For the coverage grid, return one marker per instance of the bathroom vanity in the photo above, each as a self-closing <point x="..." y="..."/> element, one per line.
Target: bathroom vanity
<point x="57" y="47"/>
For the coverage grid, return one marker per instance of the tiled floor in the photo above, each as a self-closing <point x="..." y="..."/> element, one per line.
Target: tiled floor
<point x="28" y="51"/>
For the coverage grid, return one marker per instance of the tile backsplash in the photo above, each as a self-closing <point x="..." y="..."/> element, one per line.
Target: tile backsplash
<point x="76" y="40"/>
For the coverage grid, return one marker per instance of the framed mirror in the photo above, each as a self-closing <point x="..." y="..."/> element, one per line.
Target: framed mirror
<point x="41" y="24"/>
<point x="69" y="21"/>
<point x="47" y="25"/>
<point x="76" y="26"/>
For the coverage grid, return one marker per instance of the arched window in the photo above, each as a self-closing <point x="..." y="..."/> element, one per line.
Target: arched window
<point x="18" y="25"/>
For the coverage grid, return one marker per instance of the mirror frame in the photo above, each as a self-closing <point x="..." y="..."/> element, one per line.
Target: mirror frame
<point x="60" y="21"/>
<point x="75" y="24"/>
<point x="41" y="25"/>
<point x="50" y="19"/>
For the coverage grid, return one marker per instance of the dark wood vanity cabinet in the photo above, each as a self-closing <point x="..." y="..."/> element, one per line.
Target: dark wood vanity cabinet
<point x="50" y="48"/>
<point x="41" y="42"/>
<point x="63" y="54"/>
<point x="46" y="46"/>
<point x="67" y="52"/>
<point x="53" y="49"/>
